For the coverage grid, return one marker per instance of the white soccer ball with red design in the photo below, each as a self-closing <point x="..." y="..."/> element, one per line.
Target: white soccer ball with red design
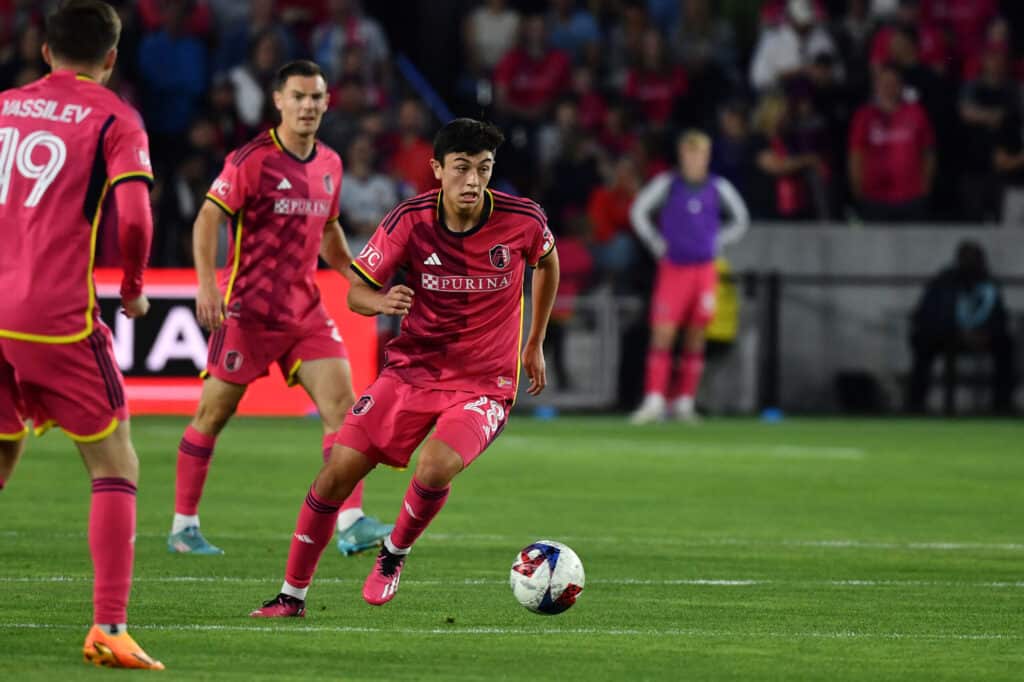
<point x="547" y="577"/>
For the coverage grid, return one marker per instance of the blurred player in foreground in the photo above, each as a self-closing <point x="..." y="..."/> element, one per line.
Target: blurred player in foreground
<point x="68" y="146"/>
<point x="689" y="203"/>
<point x="280" y="192"/>
<point x="454" y="368"/>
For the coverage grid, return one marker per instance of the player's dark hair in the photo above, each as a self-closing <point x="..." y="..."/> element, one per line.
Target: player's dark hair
<point x="82" y="31"/>
<point x="299" y="67"/>
<point x="467" y="135"/>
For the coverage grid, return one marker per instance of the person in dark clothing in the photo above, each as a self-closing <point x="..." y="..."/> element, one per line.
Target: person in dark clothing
<point x="962" y="310"/>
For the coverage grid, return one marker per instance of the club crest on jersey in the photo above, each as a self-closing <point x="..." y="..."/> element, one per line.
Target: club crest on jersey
<point x="363" y="405"/>
<point x="329" y="184"/>
<point x="500" y="256"/>
<point x="233" y="361"/>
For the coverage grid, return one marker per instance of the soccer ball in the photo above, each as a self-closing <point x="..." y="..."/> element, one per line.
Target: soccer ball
<point x="547" y="577"/>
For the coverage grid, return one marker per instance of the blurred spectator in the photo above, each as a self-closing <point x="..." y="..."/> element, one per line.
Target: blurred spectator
<point x="573" y="30"/>
<point x="221" y="109"/>
<point x="773" y="12"/>
<point x="617" y="135"/>
<point x="701" y="40"/>
<point x="252" y="80"/>
<point x="730" y="156"/>
<point x="985" y="105"/>
<point x="236" y="42"/>
<point x="783" y="51"/>
<point x="410" y="160"/>
<point x="613" y="245"/>
<point x="778" y="187"/>
<point x="962" y="311"/>
<point x="529" y="78"/>
<point x="553" y="137"/>
<point x="491" y="30"/>
<point x="891" y="153"/>
<point x="173" y="66"/>
<point x="1008" y="162"/>
<point x="623" y="47"/>
<point x="655" y="84"/>
<point x="346" y="28"/>
<point x="341" y="122"/>
<point x="23" y="59"/>
<point x="576" y="273"/>
<point x="966" y="20"/>
<point x="593" y="109"/>
<point x="932" y="47"/>
<point x="198" y="19"/>
<point x="366" y="195"/>
<point x="575" y="171"/>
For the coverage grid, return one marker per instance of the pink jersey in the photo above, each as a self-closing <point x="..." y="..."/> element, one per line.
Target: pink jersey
<point x="464" y="329"/>
<point x="65" y="141"/>
<point x="279" y="206"/>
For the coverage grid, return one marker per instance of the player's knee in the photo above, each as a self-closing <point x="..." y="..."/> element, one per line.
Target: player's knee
<point x="333" y="410"/>
<point x="438" y="466"/>
<point x="211" y="417"/>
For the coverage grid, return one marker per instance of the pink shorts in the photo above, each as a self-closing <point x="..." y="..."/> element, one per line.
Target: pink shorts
<point x="76" y="386"/>
<point x="393" y="417"/>
<point x="240" y="355"/>
<point x="684" y="295"/>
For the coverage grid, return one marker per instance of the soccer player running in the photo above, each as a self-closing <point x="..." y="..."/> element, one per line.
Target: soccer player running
<point x="280" y="192"/>
<point x="454" y="368"/>
<point x="68" y="146"/>
<point x="689" y="203"/>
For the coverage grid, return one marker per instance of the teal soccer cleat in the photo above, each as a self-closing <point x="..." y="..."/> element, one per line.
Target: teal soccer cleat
<point x="364" y="534"/>
<point x="190" y="541"/>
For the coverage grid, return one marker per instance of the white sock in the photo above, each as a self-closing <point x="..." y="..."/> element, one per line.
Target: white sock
<point x="654" y="399"/>
<point x="347" y="517"/>
<point x="292" y="591"/>
<point x="684" y="404"/>
<point x="395" y="550"/>
<point x="183" y="521"/>
<point x="113" y="628"/>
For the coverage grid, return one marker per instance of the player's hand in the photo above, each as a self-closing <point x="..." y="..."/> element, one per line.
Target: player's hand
<point x="533" y="365"/>
<point x="397" y="301"/>
<point x="210" y="307"/>
<point x="137" y="307"/>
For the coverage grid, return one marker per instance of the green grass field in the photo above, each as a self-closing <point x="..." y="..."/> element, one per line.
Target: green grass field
<point x="810" y="549"/>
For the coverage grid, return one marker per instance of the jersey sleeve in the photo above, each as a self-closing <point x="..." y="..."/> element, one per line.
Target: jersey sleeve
<point x="126" y="149"/>
<point x="384" y="253"/>
<point x="339" y="174"/>
<point x="228" y="190"/>
<point x="541" y="242"/>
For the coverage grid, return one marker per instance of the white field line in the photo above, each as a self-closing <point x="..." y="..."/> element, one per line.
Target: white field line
<point x="698" y="582"/>
<point x="481" y="538"/>
<point x="543" y="631"/>
<point x="662" y="448"/>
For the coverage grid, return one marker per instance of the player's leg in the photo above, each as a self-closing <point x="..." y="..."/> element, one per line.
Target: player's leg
<point x="217" y="402"/>
<point x="328" y="381"/>
<point x="10" y="453"/>
<point x="702" y="280"/>
<point x="114" y="470"/>
<point x="12" y="424"/>
<point x="667" y="308"/>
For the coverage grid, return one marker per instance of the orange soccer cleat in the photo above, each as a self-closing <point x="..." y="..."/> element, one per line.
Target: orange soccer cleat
<point x="116" y="651"/>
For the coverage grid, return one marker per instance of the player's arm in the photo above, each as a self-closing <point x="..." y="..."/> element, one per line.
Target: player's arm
<point x="653" y="195"/>
<point x="545" y="288"/>
<point x="366" y="300"/>
<point x="210" y="307"/>
<point x="334" y="248"/>
<point x="135" y="234"/>
<point x="739" y="217"/>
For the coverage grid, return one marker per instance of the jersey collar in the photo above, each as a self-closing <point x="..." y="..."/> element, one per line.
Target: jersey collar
<point x="281" y="147"/>
<point x="484" y="215"/>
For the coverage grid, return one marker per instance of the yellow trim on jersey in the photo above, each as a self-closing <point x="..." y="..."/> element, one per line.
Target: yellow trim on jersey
<point x="238" y="258"/>
<point x="204" y="374"/>
<point x="95" y="437"/>
<point x="519" y="346"/>
<point x="40" y="429"/>
<point x="14" y="436"/>
<point x="128" y="176"/>
<point x="90" y="285"/>
<point x="366" y="274"/>
<point x="291" y="379"/>
<point x="277" y="142"/>
<point x="490" y="212"/>
<point x="224" y="207"/>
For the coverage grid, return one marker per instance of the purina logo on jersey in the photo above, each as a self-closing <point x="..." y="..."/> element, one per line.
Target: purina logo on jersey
<point x="500" y="256"/>
<point x="317" y="207"/>
<point x="329" y="184"/>
<point x="462" y="284"/>
<point x="363" y="405"/>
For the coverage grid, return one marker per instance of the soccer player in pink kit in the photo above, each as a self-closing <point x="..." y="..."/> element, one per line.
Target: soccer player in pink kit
<point x="690" y="235"/>
<point x="280" y="192"/>
<point x="455" y="366"/>
<point x="68" y="146"/>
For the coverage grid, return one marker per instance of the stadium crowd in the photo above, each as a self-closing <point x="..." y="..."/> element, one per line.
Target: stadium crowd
<point x="847" y="110"/>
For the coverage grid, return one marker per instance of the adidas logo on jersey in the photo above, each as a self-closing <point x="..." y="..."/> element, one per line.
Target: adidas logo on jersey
<point x="284" y="184"/>
<point x="432" y="259"/>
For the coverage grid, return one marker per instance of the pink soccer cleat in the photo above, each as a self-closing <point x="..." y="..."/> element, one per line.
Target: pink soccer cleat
<point x="281" y="606"/>
<point x="382" y="583"/>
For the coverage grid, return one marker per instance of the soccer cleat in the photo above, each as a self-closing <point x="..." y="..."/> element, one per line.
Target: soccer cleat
<point x="116" y="651"/>
<point x="281" y="606"/>
<point x="684" y="411"/>
<point x="382" y="583"/>
<point x="190" y="541"/>
<point x="365" y="533"/>
<point x="651" y="410"/>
